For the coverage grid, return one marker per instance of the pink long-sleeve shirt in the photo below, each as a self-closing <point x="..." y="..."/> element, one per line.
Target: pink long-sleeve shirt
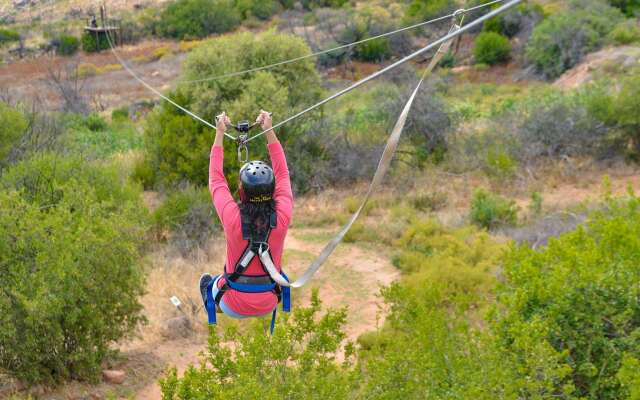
<point x="229" y="213"/>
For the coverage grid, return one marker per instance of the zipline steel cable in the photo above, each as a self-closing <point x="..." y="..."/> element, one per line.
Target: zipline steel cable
<point x="406" y="59"/>
<point x="212" y="126"/>
<point x="344" y="46"/>
<point x="383" y="164"/>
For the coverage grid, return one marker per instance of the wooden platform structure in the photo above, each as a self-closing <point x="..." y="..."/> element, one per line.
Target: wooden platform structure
<point x="107" y="27"/>
<point x="101" y="32"/>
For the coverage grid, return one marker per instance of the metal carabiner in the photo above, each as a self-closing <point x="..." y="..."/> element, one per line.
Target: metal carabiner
<point x="241" y="140"/>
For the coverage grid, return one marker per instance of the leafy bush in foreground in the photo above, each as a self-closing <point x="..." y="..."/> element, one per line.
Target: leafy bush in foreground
<point x="297" y="362"/>
<point x="579" y="299"/>
<point x="562" y="40"/>
<point x="428" y="347"/>
<point x="565" y="325"/>
<point x="70" y="279"/>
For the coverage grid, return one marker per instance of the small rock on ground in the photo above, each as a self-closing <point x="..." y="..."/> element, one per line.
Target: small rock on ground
<point x="115" y="377"/>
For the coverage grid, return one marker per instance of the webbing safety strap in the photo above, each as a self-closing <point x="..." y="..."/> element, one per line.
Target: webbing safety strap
<point x="383" y="166"/>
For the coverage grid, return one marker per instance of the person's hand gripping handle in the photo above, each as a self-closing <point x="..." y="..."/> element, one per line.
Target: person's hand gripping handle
<point x="265" y="121"/>
<point x="222" y="122"/>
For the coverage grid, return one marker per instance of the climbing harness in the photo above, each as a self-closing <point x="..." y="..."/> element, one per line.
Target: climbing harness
<point x="258" y="243"/>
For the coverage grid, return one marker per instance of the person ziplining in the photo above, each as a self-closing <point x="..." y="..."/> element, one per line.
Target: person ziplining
<point x="252" y="283"/>
<point x="259" y="220"/>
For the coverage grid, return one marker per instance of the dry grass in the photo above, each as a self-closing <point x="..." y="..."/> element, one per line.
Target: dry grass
<point x="171" y="274"/>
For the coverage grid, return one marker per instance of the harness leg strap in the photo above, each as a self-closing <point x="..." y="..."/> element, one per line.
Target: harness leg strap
<point x="211" y="303"/>
<point x="273" y="320"/>
<point x="286" y="295"/>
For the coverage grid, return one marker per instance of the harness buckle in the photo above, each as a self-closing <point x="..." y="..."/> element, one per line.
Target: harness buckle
<point x="260" y="251"/>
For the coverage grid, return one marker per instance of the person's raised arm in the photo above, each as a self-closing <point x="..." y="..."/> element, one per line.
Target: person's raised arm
<point x="282" y="195"/>
<point x="223" y="201"/>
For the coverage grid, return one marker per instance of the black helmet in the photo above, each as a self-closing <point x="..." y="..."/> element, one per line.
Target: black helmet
<point x="257" y="182"/>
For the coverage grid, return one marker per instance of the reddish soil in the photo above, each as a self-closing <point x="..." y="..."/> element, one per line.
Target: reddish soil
<point x="27" y="80"/>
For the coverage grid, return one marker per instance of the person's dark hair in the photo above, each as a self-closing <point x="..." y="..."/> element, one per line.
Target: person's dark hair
<point x="257" y="215"/>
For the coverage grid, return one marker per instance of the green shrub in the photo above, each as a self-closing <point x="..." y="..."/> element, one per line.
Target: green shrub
<point x="68" y="45"/>
<point x="298" y="362"/>
<point x="562" y="40"/>
<point x="511" y="22"/>
<point x="490" y="211"/>
<point x="188" y="216"/>
<point x="7" y="36"/>
<point x="625" y="33"/>
<point x="102" y="140"/>
<point x="491" y="48"/>
<point x="92" y="43"/>
<point x="95" y="122"/>
<point x="184" y="19"/>
<point x="629" y="376"/>
<point x="428" y="201"/>
<point x="121" y="113"/>
<point x="374" y="50"/>
<point x="262" y="9"/>
<point x="447" y="281"/>
<point x="428" y="9"/>
<point x="624" y="113"/>
<point x="558" y="124"/>
<point x="575" y="303"/>
<point x="611" y="110"/>
<point x="70" y="241"/>
<point x="13" y="125"/>
<point x="448" y="60"/>
<point x="629" y="7"/>
<point x="311" y="4"/>
<point x="501" y="164"/>
<point x="536" y="203"/>
<point x="144" y="174"/>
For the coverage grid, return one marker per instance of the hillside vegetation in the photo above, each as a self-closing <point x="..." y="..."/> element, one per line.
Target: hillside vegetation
<point x="501" y="292"/>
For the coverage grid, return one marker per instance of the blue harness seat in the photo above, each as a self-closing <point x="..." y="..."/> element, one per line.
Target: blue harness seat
<point x="249" y="283"/>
